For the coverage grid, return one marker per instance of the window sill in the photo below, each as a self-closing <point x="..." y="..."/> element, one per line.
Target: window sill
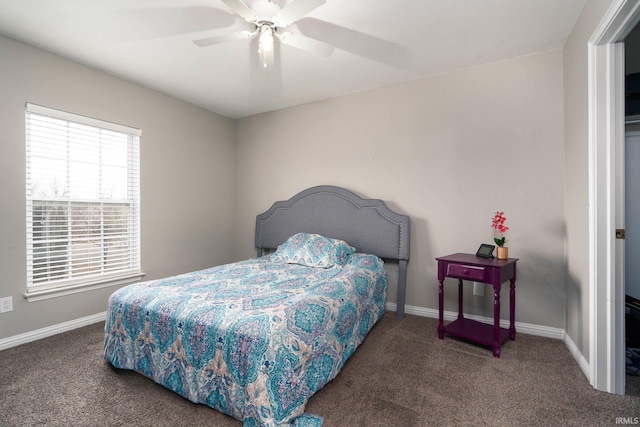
<point x="33" y="296"/>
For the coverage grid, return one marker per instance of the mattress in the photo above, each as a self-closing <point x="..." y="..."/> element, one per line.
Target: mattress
<point x="254" y="339"/>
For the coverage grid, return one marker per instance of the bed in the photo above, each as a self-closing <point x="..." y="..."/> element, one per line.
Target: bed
<point x="257" y="338"/>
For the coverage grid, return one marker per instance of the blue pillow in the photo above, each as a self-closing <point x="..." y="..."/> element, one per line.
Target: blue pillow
<point x="313" y="250"/>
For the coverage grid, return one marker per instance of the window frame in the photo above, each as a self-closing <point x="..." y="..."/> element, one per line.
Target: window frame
<point x="132" y="270"/>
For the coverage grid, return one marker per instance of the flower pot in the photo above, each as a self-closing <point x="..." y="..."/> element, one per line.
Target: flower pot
<point x="503" y="252"/>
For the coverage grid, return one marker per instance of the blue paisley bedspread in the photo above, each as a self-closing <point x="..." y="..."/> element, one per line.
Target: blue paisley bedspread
<point x="254" y="339"/>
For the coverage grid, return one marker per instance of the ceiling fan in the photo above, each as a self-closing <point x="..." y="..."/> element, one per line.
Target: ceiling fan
<point x="268" y="19"/>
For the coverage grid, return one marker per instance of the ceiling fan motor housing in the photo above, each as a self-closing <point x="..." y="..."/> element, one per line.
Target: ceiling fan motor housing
<point x="265" y="11"/>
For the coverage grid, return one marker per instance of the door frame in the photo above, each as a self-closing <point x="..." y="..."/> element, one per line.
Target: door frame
<point x="606" y="195"/>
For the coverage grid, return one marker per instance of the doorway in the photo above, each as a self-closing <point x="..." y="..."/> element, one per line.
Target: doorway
<point x="631" y="188"/>
<point x="632" y="211"/>
<point x="606" y="196"/>
<point x="632" y="254"/>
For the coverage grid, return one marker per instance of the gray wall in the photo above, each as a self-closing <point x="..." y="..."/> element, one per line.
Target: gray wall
<point x="447" y="150"/>
<point x="187" y="176"/>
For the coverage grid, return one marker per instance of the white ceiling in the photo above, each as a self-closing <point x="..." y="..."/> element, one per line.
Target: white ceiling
<point x="378" y="43"/>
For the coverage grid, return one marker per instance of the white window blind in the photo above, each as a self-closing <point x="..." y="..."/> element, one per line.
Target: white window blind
<point x="83" y="199"/>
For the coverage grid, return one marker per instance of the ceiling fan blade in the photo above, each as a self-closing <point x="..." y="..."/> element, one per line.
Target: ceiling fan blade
<point x="241" y="9"/>
<point x="239" y="35"/>
<point x="296" y="10"/>
<point x="349" y="40"/>
<point x="305" y="43"/>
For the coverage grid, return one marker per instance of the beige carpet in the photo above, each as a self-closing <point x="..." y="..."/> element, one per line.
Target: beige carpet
<point x="402" y="375"/>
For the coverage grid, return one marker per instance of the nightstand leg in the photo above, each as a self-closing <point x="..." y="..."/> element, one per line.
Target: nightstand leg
<point x="496" y="320"/>
<point x="512" y="310"/>
<point x="441" y="309"/>
<point x="460" y="305"/>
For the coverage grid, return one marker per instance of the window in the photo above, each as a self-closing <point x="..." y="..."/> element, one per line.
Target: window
<point x="83" y="201"/>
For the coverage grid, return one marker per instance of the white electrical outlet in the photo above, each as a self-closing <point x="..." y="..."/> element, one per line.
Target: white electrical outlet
<point x="478" y="289"/>
<point x="6" y="304"/>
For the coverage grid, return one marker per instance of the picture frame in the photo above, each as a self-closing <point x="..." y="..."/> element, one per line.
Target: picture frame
<point x="485" y="251"/>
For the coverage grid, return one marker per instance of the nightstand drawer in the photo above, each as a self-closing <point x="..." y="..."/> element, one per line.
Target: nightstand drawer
<point x="469" y="272"/>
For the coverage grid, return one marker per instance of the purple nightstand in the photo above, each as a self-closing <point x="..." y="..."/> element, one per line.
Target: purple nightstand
<point x="486" y="270"/>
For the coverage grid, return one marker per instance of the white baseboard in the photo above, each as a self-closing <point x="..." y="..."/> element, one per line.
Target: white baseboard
<point x="525" y="328"/>
<point x="51" y="330"/>
<point x="582" y="362"/>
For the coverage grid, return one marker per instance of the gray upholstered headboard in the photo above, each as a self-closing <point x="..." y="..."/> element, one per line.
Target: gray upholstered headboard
<point x="367" y="224"/>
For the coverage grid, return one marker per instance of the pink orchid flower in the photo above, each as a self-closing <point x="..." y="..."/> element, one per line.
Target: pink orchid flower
<point x="498" y="224"/>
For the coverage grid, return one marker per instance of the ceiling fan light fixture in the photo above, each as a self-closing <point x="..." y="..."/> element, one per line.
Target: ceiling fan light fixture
<point x="265" y="46"/>
<point x="267" y="19"/>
